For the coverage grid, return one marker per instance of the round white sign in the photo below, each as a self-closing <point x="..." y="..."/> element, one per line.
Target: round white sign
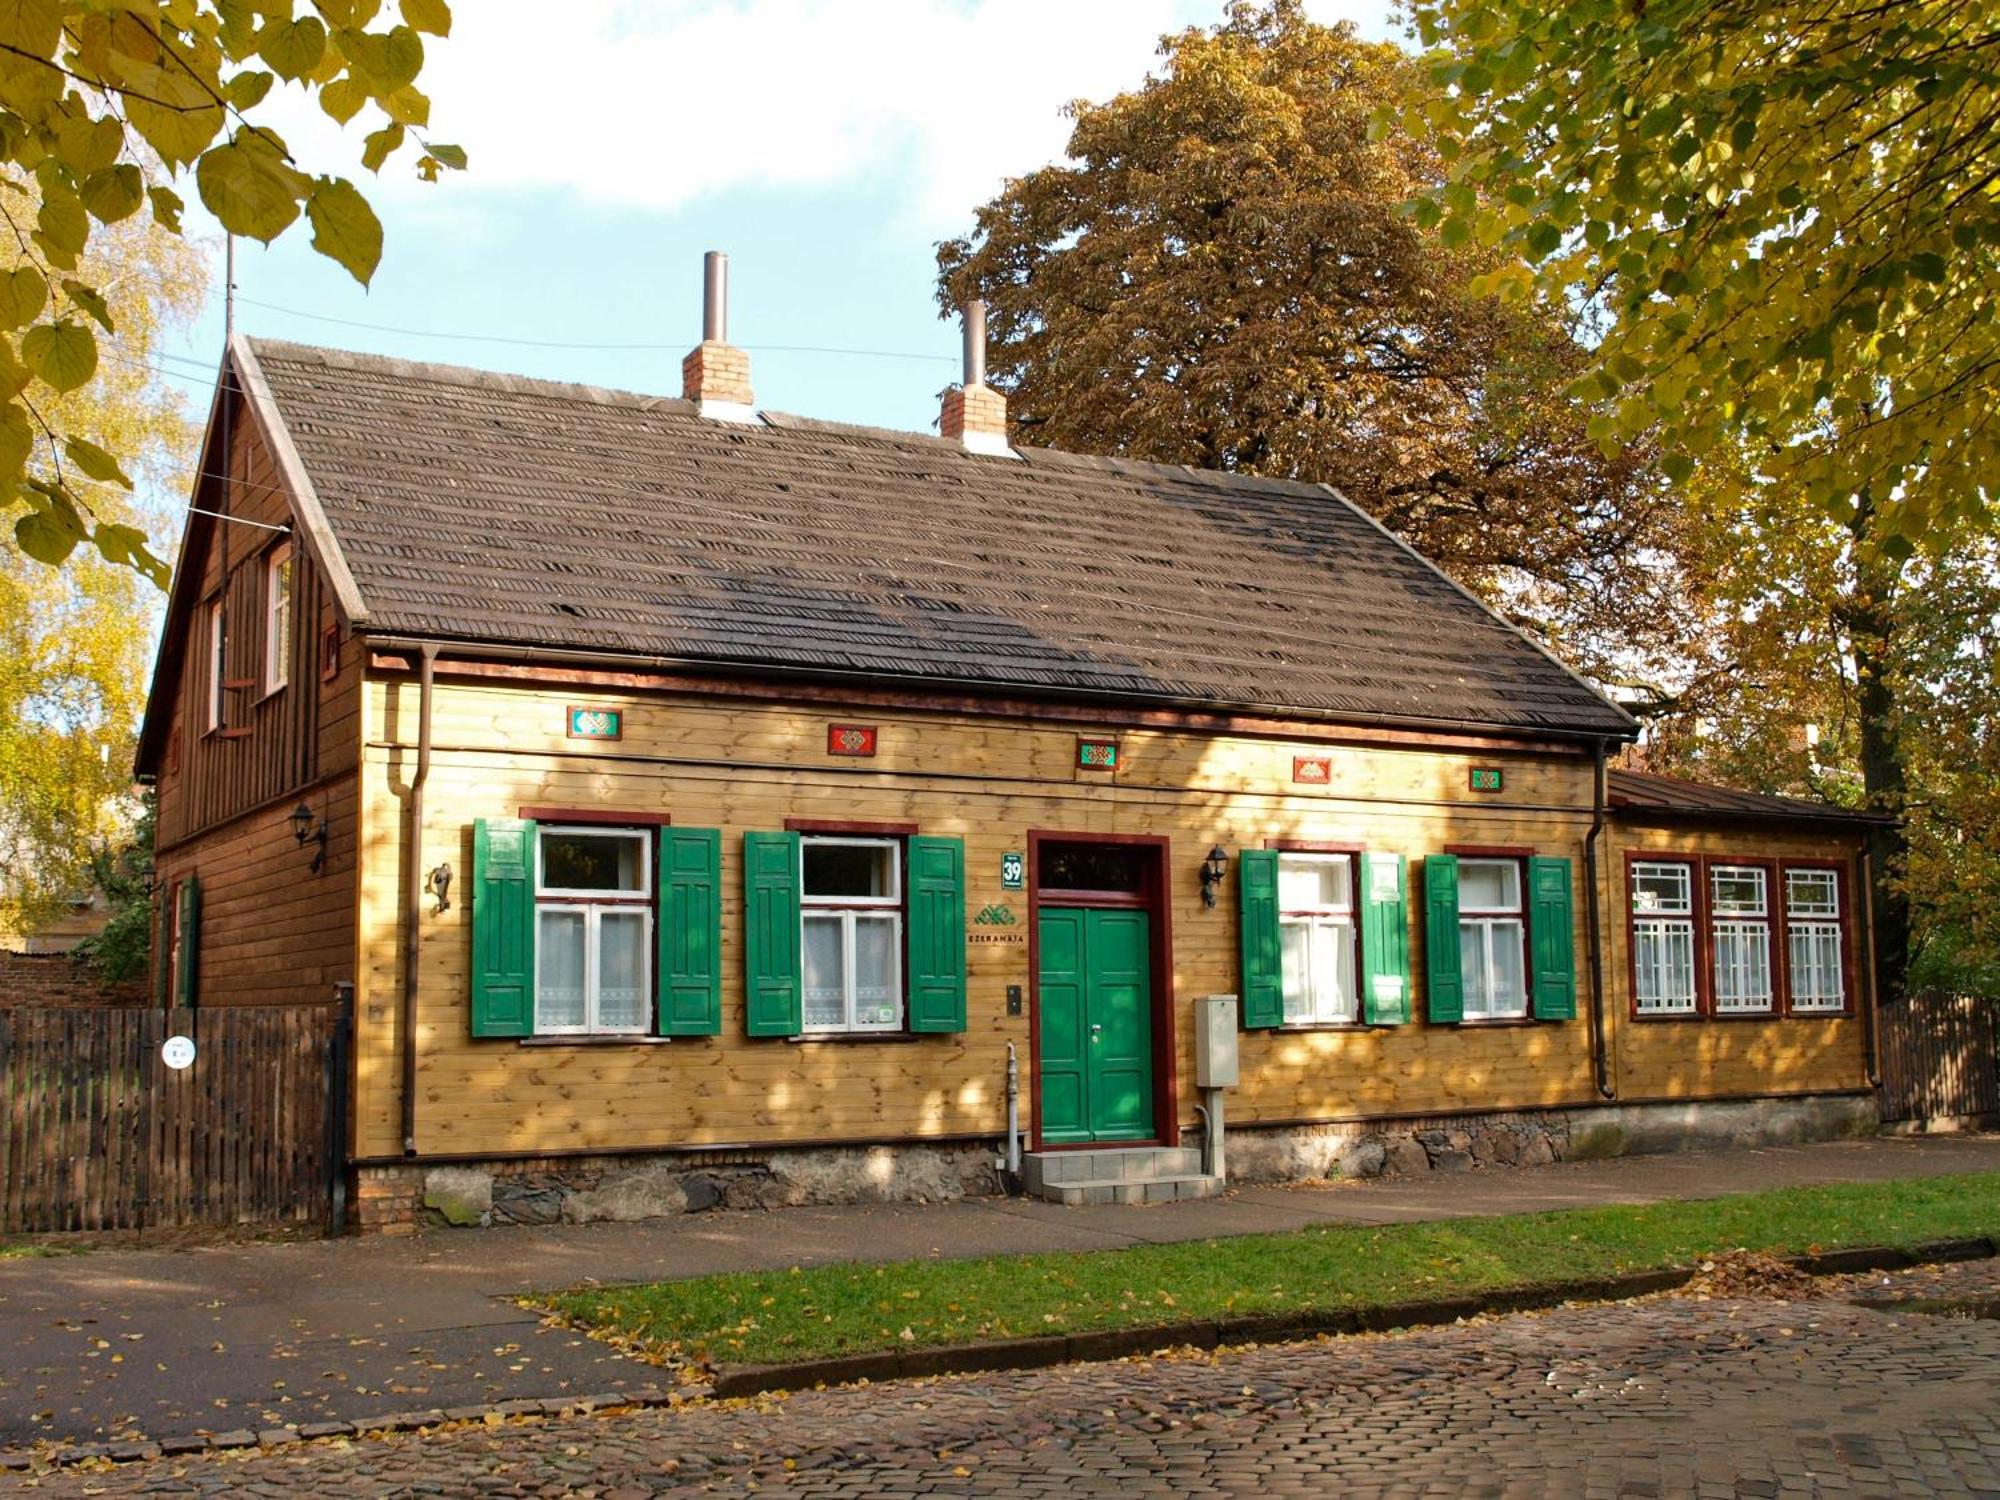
<point x="177" y="1052"/>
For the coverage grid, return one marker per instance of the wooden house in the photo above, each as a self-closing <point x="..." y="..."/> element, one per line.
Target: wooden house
<point x="704" y="804"/>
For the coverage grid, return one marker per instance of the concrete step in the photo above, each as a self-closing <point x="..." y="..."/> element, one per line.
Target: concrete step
<point x="1118" y="1190"/>
<point x="1109" y="1164"/>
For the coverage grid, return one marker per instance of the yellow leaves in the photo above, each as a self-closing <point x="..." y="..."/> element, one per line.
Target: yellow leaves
<point x="293" y="47"/>
<point x="345" y="227"/>
<point x="248" y="187"/>
<point x="433" y="16"/>
<point x="114" y="193"/>
<point x="33" y="26"/>
<point x="62" y="354"/>
<point x="23" y="294"/>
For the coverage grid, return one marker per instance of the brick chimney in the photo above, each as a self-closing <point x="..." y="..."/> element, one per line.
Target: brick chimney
<point x="975" y="415"/>
<point x="716" y="374"/>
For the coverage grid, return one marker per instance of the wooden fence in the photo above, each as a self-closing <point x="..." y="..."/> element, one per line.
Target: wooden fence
<point x="1940" y="1056"/>
<point x="98" y="1133"/>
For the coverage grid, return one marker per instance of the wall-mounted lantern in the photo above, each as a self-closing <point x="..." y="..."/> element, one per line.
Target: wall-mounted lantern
<point x="1214" y="870"/>
<point x="438" y="883"/>
<point x="309" y="829"/>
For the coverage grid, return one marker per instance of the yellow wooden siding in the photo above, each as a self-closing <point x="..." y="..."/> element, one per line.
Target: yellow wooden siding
<point x="747" y="766"/>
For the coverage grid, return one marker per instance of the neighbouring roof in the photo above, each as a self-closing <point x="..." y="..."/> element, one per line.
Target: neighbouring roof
<point x="492" y="508"/>
<point x="1645" y="794"/>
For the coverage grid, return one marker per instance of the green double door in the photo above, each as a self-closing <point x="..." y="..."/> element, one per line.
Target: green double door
<point x="1096" y="1002"/>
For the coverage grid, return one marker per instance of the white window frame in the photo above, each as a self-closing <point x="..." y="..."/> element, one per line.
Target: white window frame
<point x="1310" y="1009"/>
<point x="277" y="612"/>
<point x="1817" y="923"/>
<point x="214" y="665"/>
<point x="593" y="904"/>
<point x="850" y="910"/>
<point x="1658" y="930"/>
<point x="1495" y="924"/>
<point x="1744" y="924"/>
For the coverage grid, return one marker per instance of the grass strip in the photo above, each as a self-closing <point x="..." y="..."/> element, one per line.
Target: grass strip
<point x="773" y="1316"/>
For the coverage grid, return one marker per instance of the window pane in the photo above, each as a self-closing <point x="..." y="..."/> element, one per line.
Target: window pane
<point x="1510" y="980"/>
<point x="1307" y="884"/>
<point x="1489" y="885"/>
<point x="593" y="862"/>
<point x="1817" y="982"/>
<point x="559" y="971"/>
<point x="1663" y="958"/>
<point x="1296" y="938"/>
<point x="1333" y="970"/>
<point x="1472" y="975"/>
<point x="1091" y="867"/>
<point x="1666" y="889"/>
<point x="1812" y="893"/>
<point x="1738" y="890"/>
<point x="1742" y="966"/>
<point x="621" y="971"/>
<point x="875" y="972"/>
<point x="826" y="983"/>
<point x="849" y="870"/>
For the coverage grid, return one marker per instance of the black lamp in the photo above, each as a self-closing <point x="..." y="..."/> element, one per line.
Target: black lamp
<point x="1214" y="870"/>
<point x="309" y="830"/>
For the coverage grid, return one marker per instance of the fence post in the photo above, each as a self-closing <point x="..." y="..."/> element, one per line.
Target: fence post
<point x="339" y="1048"/>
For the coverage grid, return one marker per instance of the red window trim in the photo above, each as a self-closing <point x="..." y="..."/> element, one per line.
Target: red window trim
<point x="1312" y="846"/>
<point x="601" y="816"/>
<point x="1490" y="851"/>
<point x="851" y="826"/>
<point x="1777" y="917"/>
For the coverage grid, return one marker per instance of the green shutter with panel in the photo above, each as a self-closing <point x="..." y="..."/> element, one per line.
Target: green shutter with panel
<point x="1385" y="940"/>
<point x="937" y="934"/>
<point x="1263" y="951"/>
<point x="773" y="967"/>
<point x="187" y="989"/>
<point x="690" y="932"/>
<point x="1552" y="939"/>
<point x="503" y="927"/>
<point x="1444" y="994"/>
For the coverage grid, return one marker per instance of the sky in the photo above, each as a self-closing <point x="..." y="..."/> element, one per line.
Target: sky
<point x="825" y="145"/>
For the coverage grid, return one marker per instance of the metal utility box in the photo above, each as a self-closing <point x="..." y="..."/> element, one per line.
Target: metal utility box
<point x="1215" y="1042"/>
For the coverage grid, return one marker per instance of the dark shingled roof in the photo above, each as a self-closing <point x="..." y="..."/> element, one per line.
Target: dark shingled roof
<point x="1643" y="793"/>
<point x="493" y="508"/>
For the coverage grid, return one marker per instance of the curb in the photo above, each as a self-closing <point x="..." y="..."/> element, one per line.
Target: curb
<point x="134" y="1450"/>
<point x="1120" y="1343"/>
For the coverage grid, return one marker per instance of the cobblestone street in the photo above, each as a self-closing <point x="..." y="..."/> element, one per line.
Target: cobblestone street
<point x="1661" y="1397"/>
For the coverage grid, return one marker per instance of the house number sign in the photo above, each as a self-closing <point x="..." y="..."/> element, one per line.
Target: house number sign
<point x="1013" y="871"/>
<point x="177" y="1052"/>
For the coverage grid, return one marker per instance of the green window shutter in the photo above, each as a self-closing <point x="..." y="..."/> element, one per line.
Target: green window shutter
<point x="937" y="934"/>
<point x="1552" y="934"/>
<point x="1263" y="953"/>
<point x="503" y="927"/>
<point x="1385" y="940"/>
<point x="1444" y="996"/>
<point x="773" y="968"/>
<point x="187" y="989"/>
<point x="690" y="936"/>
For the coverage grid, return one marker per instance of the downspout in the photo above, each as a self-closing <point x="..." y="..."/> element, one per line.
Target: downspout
<point x="413" y="918"/>
<point x="1870" y="1040"/>
<point x="1594" y="922"/>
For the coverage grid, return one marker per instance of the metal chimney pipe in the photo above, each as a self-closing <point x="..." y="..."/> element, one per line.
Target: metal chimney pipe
<point x="715" y="298"/>
<point x="975" y="343"/>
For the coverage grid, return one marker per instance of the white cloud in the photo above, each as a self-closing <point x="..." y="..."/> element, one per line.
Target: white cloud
<point x="656" y="105"/>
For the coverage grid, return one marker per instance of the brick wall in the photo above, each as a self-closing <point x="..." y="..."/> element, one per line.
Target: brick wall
<point x="61" y="980"/>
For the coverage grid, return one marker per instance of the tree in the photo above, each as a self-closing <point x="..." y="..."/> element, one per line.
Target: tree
<point x="74" y="641"/>
<point x="1782" y="220"/>
<point x="124" y="948"/>
<point x="103" y="108"/>
<point x="1784" y="212"/>
<point x="1224" y="274"/>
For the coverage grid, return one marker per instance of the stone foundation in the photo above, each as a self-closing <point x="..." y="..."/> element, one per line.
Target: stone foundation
<point x="1462" y="1143"/>
<point x="619" y="1189"/>
<point x="400" y="1198"/>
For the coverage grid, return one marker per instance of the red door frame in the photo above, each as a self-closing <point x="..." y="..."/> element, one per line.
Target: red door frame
<point x="1155" y="902"/>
